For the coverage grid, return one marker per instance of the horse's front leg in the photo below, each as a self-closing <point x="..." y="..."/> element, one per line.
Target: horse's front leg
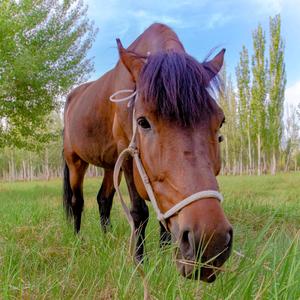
<point x="139" y="210"/>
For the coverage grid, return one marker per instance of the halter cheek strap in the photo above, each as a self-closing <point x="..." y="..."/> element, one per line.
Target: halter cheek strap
<point x="133" y="151"/>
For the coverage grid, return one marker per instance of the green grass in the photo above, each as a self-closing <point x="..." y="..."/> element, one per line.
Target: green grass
<point x="40" y="258"/>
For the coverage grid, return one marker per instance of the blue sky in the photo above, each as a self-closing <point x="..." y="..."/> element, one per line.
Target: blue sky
<point x="201" y="26"/>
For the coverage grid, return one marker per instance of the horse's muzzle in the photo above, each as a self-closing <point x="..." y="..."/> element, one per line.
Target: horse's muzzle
<point x="200" y="259"/>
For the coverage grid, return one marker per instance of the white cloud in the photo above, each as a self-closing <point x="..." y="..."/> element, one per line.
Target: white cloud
<point x="269" y="6"/>
<point x="217" y="19"/>
<point x="145" y="18"/>
<point x="120" y="14"/>
<point x="292" y="94"/>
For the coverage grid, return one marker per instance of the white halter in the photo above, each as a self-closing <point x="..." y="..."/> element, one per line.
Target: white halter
<point x="134" y="152"/>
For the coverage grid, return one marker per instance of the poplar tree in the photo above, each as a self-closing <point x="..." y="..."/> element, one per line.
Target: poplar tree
<point x="229" y="130"/>
<point x="244" y="111"/>
<point x="277" y="82"/>
<point x="258" y="93"/>
<point x="231" y="124"/>
<point x="292" y="136"/>
<point x="224" y="103"/>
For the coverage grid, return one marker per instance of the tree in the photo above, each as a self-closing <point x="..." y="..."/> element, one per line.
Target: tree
<point x="292" y="138"/>
<point x="277" y="82"/>
<point x="230" y="130"/>
<point x="258" y="92"/>
<point x="43" y="50"/>
<point x="244" y="109"/>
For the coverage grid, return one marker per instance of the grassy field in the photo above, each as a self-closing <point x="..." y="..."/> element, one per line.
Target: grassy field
<point x="40" y="258"/>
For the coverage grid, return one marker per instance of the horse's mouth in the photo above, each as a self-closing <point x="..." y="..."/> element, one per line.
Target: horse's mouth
<point x="202" y="268"/>
<point x="191" y="270"/>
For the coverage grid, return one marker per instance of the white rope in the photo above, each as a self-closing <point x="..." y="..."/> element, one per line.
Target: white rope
<point x="195" y="197"/>
<point x="112" y="97"/>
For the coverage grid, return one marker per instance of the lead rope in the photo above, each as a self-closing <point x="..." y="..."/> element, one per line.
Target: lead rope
<point x="123" y="155"/>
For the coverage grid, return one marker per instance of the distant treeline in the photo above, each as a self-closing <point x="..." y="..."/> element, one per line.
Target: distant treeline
<point x="47" y="163"/>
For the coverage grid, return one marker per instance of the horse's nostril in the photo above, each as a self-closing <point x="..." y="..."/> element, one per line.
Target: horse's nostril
<point x="229" y="238"/>
<point x="186" y="244"/>
<point x="185" y="236"/>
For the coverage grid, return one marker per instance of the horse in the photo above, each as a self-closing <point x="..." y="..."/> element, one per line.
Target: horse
<point x="177" y="137"/>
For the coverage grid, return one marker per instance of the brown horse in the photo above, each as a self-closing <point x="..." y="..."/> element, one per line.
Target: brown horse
<point x="178" y="141"/>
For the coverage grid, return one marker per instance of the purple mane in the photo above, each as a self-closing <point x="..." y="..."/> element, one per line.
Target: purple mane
<point x="176" y="85"/>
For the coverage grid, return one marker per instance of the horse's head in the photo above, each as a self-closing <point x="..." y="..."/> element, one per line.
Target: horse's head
<point x="178" y="140"/>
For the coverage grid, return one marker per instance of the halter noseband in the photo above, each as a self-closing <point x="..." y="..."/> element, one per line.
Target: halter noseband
<point x="134" y="152"/>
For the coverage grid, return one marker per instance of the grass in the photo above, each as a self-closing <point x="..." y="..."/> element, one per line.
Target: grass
<point x="40" y="258"/>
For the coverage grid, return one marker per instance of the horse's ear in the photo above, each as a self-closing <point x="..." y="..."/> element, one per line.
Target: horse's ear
<point x="214" y="66"/>
<point x="132" y="61"/>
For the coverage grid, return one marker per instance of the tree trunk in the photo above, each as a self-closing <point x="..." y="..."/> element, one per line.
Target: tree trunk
<point x="241" y="162"/>
<point x="47" y="173"/>
<point x="234" y="166"/>
<point x="30" y="168"/>
<point x="24" y="169"/>
<point x="273" y="164"/>
<point x="258" y="156"/>
<point x="287" y="162"/>
<point x="249" y="151"/>
<point x="264" y="163"/>
<point x="227" y="169"/>
<point x="12" y="167"/>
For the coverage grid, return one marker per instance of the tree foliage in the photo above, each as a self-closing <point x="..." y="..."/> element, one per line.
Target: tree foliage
<point x="259" y="93"/>
<point x="244" y="109"/>
<point x="277" y="82"/>
<point x="43" y="53"/>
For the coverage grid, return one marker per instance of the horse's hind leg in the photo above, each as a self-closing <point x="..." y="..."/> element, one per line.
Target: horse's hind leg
<point x="74" y="205"/>
<point x="105" y="198"/>
<point x="139" y="210"/>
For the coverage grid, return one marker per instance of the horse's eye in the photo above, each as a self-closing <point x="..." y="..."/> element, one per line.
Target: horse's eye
<point x="142" y="121"/>
<point x="223" y="122"/>
<point x="220" y="138"/>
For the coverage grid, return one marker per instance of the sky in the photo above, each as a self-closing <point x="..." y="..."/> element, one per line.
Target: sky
<point x="202" y="25"/>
